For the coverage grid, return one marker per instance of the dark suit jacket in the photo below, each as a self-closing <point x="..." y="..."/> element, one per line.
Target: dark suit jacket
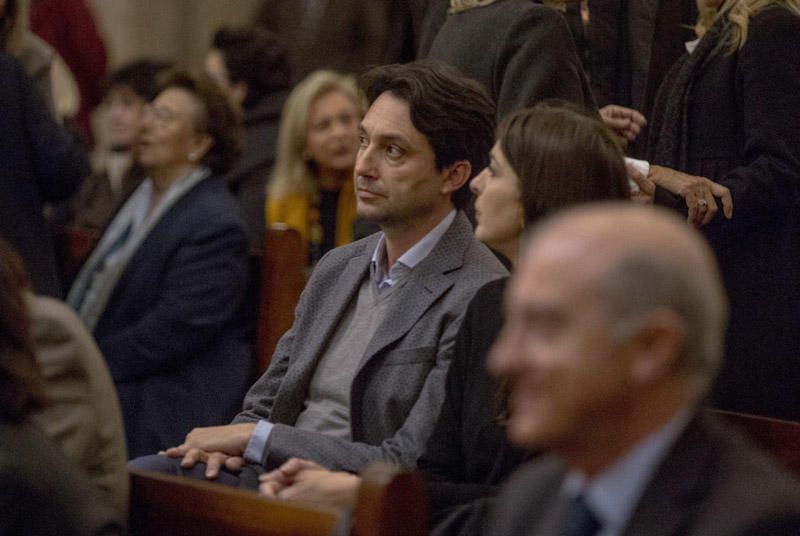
<point x="520" y="52"/>
<point x="399" y="385"/>
<point x="39" y="162"/>
<point x="711" y="482"/>
<point x="173" y="333"/>
<point x="43" y="494"/>
<point x="743" y="127"/>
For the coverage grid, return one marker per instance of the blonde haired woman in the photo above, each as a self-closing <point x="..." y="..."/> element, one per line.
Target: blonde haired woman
<point x="729" y="112"/>
<point x="311" y="189"/>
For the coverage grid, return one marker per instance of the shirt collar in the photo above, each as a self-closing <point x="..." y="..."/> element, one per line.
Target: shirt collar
<point x="410" y="258"/>
<point x="614" y="494"/>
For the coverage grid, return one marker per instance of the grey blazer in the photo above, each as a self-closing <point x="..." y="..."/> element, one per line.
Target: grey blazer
<point x="399" y="385"/>
<point x="712" y="482"/>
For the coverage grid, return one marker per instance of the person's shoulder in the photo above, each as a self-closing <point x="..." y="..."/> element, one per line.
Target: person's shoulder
<point x="774" y="26"/>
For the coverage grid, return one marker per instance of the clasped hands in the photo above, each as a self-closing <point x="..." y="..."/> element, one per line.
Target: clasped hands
<point x="216" y="446"/>
<point x="304" y="480"/>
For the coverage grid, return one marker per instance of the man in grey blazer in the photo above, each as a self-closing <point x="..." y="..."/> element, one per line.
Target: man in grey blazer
<point x="613" y="333"/>
<point x="360" y="375"/>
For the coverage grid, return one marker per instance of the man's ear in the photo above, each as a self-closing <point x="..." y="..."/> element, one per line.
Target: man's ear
<point x="657" y="347"/>
<point x="455" y="176"/>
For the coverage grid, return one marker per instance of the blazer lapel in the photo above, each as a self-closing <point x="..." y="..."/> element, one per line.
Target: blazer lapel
<point x="427" y="282"/>
<point x="672" y="497"/>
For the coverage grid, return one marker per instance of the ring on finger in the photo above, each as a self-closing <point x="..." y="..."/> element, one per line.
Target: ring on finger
<point x="702" y="203"/>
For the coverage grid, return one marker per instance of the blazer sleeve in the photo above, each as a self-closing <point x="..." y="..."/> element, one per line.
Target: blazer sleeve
<point x="201" y="290"/>
<point x="539" y="61"/>
<point x="59" y="159"/>
<point x="769" y="75"/>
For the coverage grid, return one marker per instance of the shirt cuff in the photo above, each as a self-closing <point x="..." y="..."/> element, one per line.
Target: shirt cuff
<point x="258" y="442"/>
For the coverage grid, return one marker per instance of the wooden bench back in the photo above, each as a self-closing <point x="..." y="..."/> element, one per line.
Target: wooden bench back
<point x="777" y="437"/>
<point x="282" y="281"/>
<point x="390" y="502"/>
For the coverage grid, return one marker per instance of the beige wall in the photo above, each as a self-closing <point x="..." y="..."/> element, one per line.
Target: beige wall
<point x="179" y="30"/>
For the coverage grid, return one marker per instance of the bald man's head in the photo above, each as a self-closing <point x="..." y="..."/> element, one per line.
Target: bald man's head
<point x="639" y="260"/>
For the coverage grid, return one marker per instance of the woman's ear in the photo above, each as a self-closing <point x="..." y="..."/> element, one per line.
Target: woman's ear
<point x="200" y="146"/>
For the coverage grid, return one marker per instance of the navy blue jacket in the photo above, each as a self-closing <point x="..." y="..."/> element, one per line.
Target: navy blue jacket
<point x="173" y="332"/>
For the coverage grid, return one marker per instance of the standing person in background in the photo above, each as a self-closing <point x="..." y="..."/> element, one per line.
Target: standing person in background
<point x="519" y="51"/>
<point x="129" y="90"/>
<point x="631" y="47"/>
<point x="744" y="72"/>
<point x="311" y="189"/>
<point x="68" y="26"/>
<point x="341" y="35"/>
<point x="252" y="67"/>
<point x="39" y="162"/>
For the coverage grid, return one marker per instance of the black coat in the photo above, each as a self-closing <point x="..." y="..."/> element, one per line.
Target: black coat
<point x="743" y="118"/>
<point x="39" y="162"/>
<point x="468" y="454"/>
<point x="520" y="52"/>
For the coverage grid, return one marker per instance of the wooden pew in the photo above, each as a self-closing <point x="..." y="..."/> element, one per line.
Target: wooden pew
<point x="777" y="437"/>
<point x="282" y="280"/>
<point x="390" y="503"/>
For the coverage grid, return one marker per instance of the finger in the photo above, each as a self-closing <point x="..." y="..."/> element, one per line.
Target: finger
<point x="711" y="209"/>
<point x="234" y="463"/>
<point x="724" y="195"/>
<point x="191" y="458"/>
<point x="176" y="452"/>
<point x="270" y="489"/>
<point x="694" y="217"/>
<point x="638" y="119"/>
<point x="214" y="464"/>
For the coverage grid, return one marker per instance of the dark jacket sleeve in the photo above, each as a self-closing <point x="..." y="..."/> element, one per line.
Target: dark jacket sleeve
<point x="59" y="159"/>
<point x="201" y="290"/>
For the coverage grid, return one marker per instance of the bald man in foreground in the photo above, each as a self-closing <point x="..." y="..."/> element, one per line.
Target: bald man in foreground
<point x="614" y="332"/>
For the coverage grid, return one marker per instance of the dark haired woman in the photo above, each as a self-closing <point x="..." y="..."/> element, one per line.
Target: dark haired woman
<point x="546" y="158"/>
<point x="164" y="288"/>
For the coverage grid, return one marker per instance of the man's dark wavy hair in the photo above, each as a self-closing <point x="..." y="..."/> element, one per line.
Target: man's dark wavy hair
<point x="454" y="113"/>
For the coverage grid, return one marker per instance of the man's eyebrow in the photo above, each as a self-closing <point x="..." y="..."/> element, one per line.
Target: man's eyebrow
<point x="386" y="137"/>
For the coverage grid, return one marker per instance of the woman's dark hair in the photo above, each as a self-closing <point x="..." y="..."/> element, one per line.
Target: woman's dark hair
<point x="219" y="119"/>
<point x="21" y="383"/>
<point x="454" y="113"/>
<point x="256" y="57"/>
<point x="562" y="157"/>
<point x="140" y="76"/>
